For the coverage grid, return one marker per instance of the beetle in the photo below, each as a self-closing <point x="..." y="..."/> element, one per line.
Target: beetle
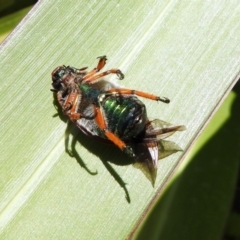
<point x="113" y="113"/>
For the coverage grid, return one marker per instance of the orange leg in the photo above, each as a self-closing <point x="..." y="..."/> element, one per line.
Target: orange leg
<point x="95" y="77"/>
<point x="111" y="136"/>
<point x="101" y="64"/>
<point x="70" y="106"/>
<point x="138" y="93"/>
<point x="74" y="116"/>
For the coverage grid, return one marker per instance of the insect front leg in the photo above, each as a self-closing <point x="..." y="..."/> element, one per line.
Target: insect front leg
<point x="111" y="136"/>
<point x="92" y="76"/>
<point x="101" y="64"/>
<point x="70" y="106"/>
<point x="138" y="93"/>
<point x="96" y="77"/>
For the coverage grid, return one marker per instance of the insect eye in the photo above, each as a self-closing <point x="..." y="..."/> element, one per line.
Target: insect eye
<point x="58" y="73"/>
<point x="57" y="76"/>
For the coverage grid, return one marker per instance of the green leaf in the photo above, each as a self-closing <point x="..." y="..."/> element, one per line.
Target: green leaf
<point x="188" y="52"/>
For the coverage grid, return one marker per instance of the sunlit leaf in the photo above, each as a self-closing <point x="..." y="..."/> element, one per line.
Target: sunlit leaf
<point x="186" y="51"/>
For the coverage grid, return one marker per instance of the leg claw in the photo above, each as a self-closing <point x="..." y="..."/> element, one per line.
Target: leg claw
<point x="120" y="75"/>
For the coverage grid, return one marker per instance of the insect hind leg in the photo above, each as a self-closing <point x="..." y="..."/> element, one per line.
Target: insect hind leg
<point x="125" y="91"/>
<point x="110" y="135"/>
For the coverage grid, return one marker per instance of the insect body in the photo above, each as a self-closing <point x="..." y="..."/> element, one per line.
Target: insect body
<point x="113" y="113"/>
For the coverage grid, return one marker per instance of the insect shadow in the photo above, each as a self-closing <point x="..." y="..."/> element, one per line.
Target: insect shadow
<point x="105" y="152"/>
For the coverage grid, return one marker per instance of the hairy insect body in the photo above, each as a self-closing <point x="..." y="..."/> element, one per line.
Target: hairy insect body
<point x="125" y="116"/>
<point x="114" y="113"/>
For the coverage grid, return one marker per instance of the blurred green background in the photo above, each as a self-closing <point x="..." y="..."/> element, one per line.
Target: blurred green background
<point x="11" y="6"/>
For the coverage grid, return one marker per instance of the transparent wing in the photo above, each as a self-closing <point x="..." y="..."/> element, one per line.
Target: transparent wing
<point x="153" y="147"/>
<point x="162" y="129"/>
<point x="166" y="148"/>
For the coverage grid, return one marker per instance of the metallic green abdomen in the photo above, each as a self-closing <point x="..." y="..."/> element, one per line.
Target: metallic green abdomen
<point x="125" y="115"/>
